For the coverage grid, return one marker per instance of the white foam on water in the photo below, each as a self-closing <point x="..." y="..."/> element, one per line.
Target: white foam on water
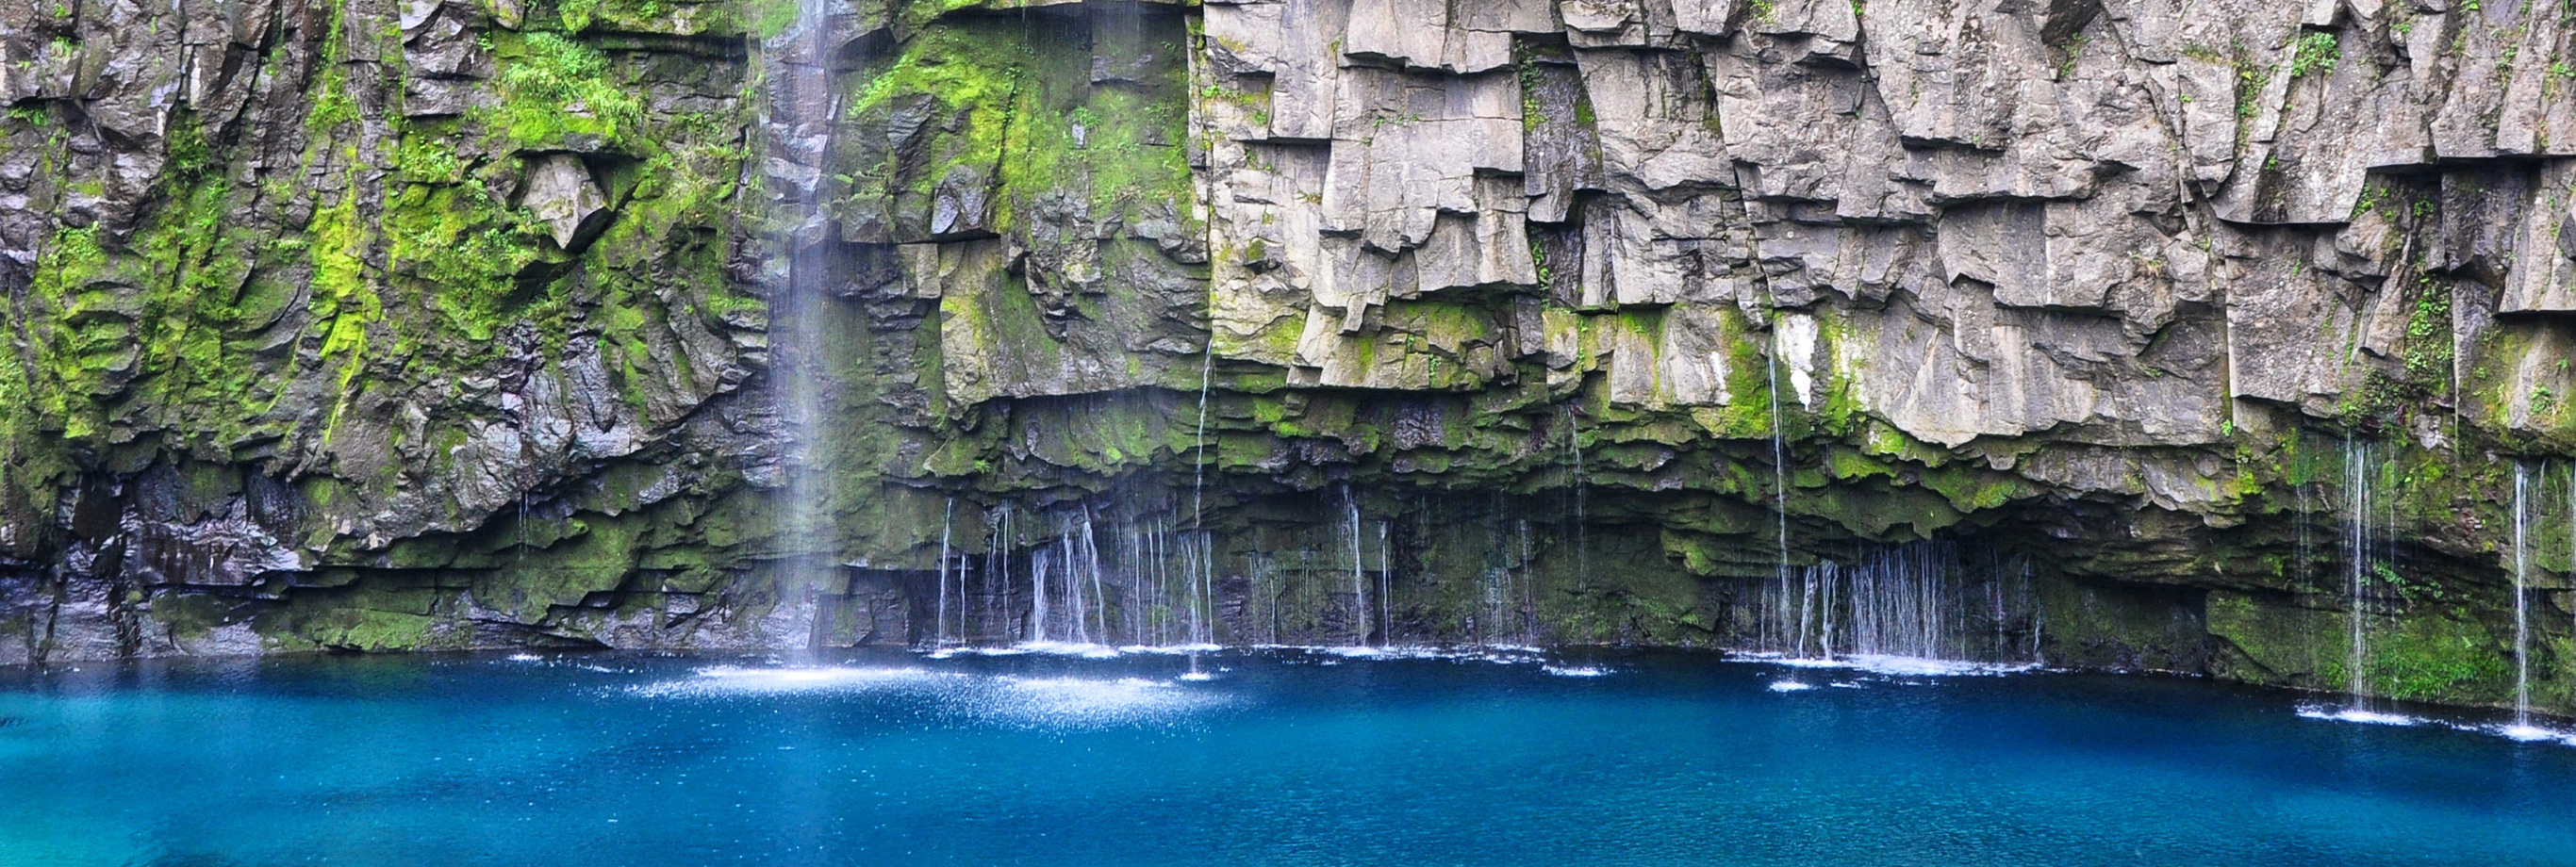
<point x="1170" y="649"/>
<point x="526" y="657"/>
<point x="1044" y="702"/>
<point x="1195" y="676"/>
<point x="1500" y="653"/>
<point x="2525" y="733"/>
<point x="1074" y="649"/>
<point x="952" y="652"/>
<point x="1790" y="686"/>
<point x="741" y="680"/>
<point x="1069" y="648"/>
<point x="1900" y="666"/>
<point x="1087" y="702"/>
<point x="2355" y="715"/>
<point x="1575" y="670"/>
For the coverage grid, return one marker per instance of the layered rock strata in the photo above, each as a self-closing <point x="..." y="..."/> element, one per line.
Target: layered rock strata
<point x="415" y="324"/>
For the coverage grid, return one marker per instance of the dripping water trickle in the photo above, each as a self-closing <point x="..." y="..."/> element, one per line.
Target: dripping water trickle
<point x="2359" y="497"/>
<point x="1198" y="546"/>
<point x="1359" y="578"/>
<point x="1385" y="573"/>
<point x="947" y="521"/>
<point x="1574" y="452"/>
<point x="2521" y="603"/>
<point x="1795" y="637"/>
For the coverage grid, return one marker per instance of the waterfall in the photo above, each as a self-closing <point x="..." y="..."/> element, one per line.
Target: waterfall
<point x="1503" y="584"/>
<point x="1574" y="452"/>
<point x="1917" y="601"/>
<point x="798" y="130"/>
<point x="939" y="624"/>
<point x="1899" y="607"/>
<point x="1203" y="560"/>
<point x="1385" y="573"/>
<point x="1780" y="489"/>
<point x="2357" y="500"/>
<point x="1038" y="568"/>
<point x="2521" y="604"/>
<point x="1091" y="573"/>
<point x="1077" y="609"/>
<point x="1000" y="572"/>
<point x="1359" y="578"/>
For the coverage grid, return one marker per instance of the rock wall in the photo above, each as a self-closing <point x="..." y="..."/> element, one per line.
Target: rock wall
<point x="394" y="324"/>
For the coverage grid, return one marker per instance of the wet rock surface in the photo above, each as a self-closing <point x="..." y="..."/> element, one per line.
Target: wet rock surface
<point x="379" y="325"/>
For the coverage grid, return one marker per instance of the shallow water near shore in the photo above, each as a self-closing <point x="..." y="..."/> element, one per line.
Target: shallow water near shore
<point x="1272" y="757"/>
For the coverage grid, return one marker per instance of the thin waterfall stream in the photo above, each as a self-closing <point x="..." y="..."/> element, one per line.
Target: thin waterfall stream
<point x="947" y="521"/>
<point x="1359" y="579"/>
<point x="2521" y="601"/>
<point x="1780" y="488"/>
<point x="2358" y="498"/>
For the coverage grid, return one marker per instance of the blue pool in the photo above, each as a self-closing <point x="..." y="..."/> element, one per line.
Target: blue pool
<point x="1280" y="757"/>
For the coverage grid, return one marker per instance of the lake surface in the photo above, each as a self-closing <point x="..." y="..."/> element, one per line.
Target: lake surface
<point x="1276" y="758"/>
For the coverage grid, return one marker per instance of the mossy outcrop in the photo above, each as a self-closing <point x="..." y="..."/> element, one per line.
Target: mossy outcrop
<point x="477" y="323"/>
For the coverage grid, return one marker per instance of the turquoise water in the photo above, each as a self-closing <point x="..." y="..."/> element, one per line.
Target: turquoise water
<point x="1280" y="758"/>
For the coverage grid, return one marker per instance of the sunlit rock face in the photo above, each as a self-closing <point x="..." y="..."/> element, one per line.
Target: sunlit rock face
<point x="429" y="324"/>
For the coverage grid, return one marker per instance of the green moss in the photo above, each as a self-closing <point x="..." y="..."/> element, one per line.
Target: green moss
<point x="1970" y="489"/>
<point x="344" y="301"/>
<point x="1846" y="464"/>
<point x="2438" y="658"/>
<point x="466" y="249"/>
<point x="555" y="88"/>
<point x="1018" y="114"/>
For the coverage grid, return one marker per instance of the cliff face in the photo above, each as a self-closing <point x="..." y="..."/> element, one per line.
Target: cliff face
<point x="2187" y="328"/>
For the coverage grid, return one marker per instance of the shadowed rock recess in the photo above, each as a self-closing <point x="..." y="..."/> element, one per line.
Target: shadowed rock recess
<point x="2162" y="334"/>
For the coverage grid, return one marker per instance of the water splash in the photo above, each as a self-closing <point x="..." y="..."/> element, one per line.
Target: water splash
<point x="1019" y="701"/>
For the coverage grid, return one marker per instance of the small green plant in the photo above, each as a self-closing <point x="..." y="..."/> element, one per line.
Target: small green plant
<point x="556" y="76"/>
<point x="2413" y="591"/>
<point x="2249" y="87"/>
<point x="2542" y="400"/>
<point x="2428" y="335"/>
<point x="2315" y="54"/>
<point x="1532" y="114"/>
